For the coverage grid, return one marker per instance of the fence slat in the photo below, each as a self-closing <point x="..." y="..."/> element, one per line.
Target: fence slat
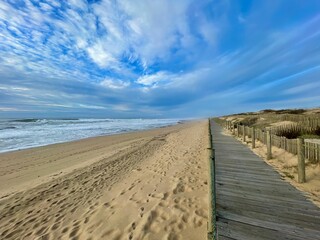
<point x="269" y="150"/>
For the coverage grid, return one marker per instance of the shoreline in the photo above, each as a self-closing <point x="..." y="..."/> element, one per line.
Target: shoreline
<point x="125" y="136"/>
<point x="103" y="135"/>
<point x="137" y="185"/>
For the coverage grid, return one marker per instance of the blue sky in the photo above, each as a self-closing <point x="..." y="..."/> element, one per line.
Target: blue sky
<point x="157" y="58"/>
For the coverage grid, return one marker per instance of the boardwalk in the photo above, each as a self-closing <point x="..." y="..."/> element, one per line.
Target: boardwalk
<point x="253" y="202"/>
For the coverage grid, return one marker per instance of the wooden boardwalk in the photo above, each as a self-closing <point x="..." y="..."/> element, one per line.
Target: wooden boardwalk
<point x="253" y="202"/>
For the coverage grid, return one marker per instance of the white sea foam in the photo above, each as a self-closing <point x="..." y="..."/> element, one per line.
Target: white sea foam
<point x="26" y="133"/>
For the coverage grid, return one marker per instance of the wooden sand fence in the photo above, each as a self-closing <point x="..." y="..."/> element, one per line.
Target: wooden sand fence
<point x="306" y="149"/>
<point x="305" y="120"/>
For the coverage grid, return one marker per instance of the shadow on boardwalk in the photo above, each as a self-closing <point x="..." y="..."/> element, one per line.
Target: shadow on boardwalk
<point x="253" y="202"/>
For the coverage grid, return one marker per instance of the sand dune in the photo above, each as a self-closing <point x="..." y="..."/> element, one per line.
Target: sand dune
<point x="144" y="185"/>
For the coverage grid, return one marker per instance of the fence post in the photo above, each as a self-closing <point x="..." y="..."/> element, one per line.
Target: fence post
<point x="253" y="137"/>
<point x="318" y="152"/>
<point x="285" y="144"/>
<point x="238" y="130"/>
<point x="269" y="153"/>
<point x="301" y="163"/>
<point x="211" y="227"/>
<point x="244" y="133"/>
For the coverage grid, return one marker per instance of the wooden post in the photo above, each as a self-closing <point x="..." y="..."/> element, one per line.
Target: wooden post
<point x="285" y="144"/>
<point x="301" y="163"/>
<point x="269" y="150"/>
<point x="318" y="153"/>
<point x="238" y="130"/>
<point x="244" y="133"/>
<point x="211" y="227"/>
<point x="253" y="137"/>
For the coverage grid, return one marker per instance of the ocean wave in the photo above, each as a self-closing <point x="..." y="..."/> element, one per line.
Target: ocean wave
<point x="33" y="132"/>
<point x="6" y="128"/>
<point x="26" y="120"/>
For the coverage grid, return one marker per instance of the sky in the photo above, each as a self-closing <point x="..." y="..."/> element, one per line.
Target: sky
<point x="157" y="58"/>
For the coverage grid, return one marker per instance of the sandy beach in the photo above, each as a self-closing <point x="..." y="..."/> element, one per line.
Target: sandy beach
<point x="142" y="185"/>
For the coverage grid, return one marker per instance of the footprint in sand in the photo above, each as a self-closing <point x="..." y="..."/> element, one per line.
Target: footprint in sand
<point x="133" y="225"/>
<point x="141" y="211"/>
<point x="179" y="188"/>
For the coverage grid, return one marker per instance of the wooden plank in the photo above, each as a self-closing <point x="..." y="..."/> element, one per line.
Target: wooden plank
<point x="255" y="204"/>
<point x="261" y="198"/>
<point x="249" y="231"/>
<point x="254" y="188"/>
<point x="274" y="215"/>
<point x="235" y="183"/>
<point x="239" y="230"/>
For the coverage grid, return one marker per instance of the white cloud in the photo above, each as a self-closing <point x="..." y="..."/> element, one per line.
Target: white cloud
<point x="155" y="79"/>
<point x="114" y="83"/>
<point x="54" y="3"/>
<point x="303" y="88"/>
<point x="155" y="27"/>
<point x="100" y="56"/>
<point x="91" y="106"/>
<point x="9" y="109"/>
<point x="14" y="88"/>
<point x="78" y="4"/>
<point x="45" y="6"/>
<point x="6" y="109"/>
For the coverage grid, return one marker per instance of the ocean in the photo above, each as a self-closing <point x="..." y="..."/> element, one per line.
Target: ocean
<point x="26" y="133"/>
